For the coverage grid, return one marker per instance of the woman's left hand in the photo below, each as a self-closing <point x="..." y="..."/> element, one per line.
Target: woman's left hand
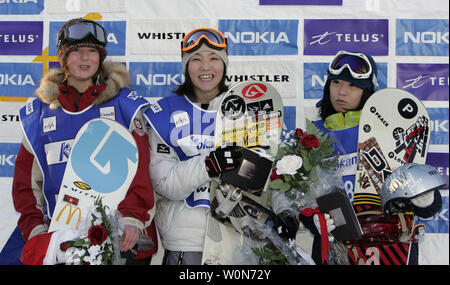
<point x="130" y="237"/>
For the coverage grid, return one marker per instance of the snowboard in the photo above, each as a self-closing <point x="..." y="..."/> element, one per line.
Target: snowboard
<point x="250" y="116"/>
<point x="102" y="163"/>
<point x="394" y="129"/>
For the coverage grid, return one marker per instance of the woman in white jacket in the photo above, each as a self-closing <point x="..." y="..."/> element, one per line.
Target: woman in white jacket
<point x="183" y="159"/>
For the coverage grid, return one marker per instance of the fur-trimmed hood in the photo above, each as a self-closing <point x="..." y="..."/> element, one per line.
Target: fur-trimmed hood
<point x="117" y="77"/>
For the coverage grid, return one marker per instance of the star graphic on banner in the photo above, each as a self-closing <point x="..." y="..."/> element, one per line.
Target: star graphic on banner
<point x="45" y="59"/>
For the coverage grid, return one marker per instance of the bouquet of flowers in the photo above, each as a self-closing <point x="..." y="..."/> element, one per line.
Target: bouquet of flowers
<point x="303" y="167"/>
<point x="100" y="245"/>
<point x="303" y="171"/>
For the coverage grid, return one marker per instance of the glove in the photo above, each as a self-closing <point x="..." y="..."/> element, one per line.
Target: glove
<point x="44" y="248"/>
<point x="222" y="160"/>
<point x="330" y="224"/>
<point x="288" y="224"/>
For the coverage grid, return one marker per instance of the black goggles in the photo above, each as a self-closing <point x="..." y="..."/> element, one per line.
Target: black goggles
<point x="78" y="32"/>
<point x="212" y="37"/>
<point x="357" y="63"/>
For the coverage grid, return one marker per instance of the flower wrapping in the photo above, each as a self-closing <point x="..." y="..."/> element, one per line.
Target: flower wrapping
<point x="302" y="168"/>
<point x="99" y="245"/>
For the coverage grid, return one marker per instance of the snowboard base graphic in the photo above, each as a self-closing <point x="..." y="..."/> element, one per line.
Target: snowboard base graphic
<point x="102" y="164"/>
<point x="251" y="116"/>
<point x="394" y="130"/>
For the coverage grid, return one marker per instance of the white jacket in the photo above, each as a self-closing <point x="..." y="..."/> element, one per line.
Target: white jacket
<point x="180" y="228"/>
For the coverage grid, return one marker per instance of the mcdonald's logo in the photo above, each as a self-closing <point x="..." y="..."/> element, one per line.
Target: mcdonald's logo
<point x="70" y="216"/>
<point x="82" y="185"/>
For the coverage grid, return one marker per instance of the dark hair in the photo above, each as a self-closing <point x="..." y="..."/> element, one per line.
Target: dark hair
<point x="187" y="88"/>
<point x="326" y="108"/>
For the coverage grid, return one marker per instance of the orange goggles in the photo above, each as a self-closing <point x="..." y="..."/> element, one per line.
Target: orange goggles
<point x="212" y="37"/>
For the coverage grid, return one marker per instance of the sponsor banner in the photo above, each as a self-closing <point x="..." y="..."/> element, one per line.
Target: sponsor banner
<point x="261" y="37"/>
<point x="24" y="7"/>
<point x="439" y="222"/>
<point x="281" y="74"/>
<point x="300" y="2"/>
<point x="155" y="79"/>
<point x="116" y="36"/>
<point x="84" y="6"/>
<point x="425" y="81"/>
<point x="422" y="37"/>
<point x="9" y="121"/>
<point x="439" y="125"/>
<point x="21" y="37"/>
<point x="160" y="36"/>
<point x="19" y="79"/>
<point x="315" y="77"/>
<point x="440" y="162"/>
<point x="8" y="154"/>
<point x="327" y="37"/>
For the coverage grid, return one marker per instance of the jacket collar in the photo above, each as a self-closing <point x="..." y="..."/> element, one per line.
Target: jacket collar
<point x="116" y="74"/>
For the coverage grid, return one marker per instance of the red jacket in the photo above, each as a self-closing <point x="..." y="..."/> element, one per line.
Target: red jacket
<point x="136" y="207"/>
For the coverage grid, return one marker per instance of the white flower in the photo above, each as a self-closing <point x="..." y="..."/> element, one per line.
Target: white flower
<point x="289" y="164"/>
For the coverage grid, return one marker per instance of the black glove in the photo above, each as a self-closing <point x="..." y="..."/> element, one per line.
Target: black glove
<point x="288" y="224"/>
<point x="222" y="160"/>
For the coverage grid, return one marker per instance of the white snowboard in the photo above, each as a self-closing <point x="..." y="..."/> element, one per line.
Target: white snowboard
<point x="102" y="164"/>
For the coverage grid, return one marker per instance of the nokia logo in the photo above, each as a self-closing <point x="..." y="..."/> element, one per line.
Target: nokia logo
<point x="258" y="37"/>
<point x="428" y="37"/>
<point x="159" y="79"/>
<point x="16" y="79"/>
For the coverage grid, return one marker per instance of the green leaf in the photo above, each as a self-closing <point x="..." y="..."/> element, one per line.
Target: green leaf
<point x="285" y="187"/>
<point x="276" y="184"/>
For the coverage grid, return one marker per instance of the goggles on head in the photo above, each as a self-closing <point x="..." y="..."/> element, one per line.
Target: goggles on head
<point x="357" y="63"/>
<point x="212" y="37"/>
<point x="78" y="32"/>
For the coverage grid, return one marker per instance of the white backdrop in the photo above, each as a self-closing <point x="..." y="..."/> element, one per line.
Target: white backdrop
<point x="286" y="45"/>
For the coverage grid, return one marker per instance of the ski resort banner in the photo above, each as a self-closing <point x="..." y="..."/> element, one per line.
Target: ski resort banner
<point x="160" y="37"/>
<point x="287" y="43"/>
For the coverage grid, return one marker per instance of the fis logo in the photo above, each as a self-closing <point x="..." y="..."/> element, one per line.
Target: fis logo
<point x="326" y="37"/>
<point x="422" y="37"/>
<point x="116" y="36"/>
<point x="246" y="37"/>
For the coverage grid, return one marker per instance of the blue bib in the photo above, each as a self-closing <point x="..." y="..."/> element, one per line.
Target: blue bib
<point x="189" y="130"/>
<point x="345" y="145"/>
<point x="51" y="133"/>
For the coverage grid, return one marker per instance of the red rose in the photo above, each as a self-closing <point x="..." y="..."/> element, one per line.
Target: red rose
<point x="65" y="245"/>
<point x="310" y="141"/>
<point x="274" y="175"/>
<point x="97" y="235"/>
<point x="298" y="133"/>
